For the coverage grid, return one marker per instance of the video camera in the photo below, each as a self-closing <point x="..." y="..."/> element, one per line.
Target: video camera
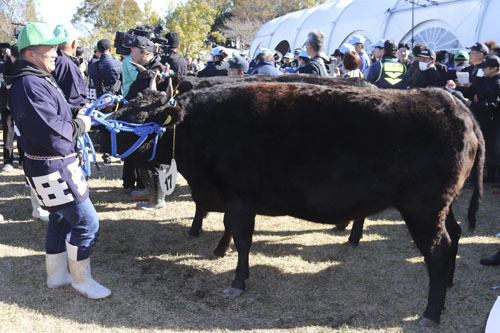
<point x="17" y="29"/>
<point x="122" y="38"/>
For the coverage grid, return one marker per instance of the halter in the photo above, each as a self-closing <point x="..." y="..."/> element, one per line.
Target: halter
<point x="115" y="127"/>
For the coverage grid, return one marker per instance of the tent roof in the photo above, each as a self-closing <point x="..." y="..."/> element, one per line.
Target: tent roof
<point x="450" y="24"/>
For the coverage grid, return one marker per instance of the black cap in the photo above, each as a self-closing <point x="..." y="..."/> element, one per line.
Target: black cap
<point x="239" y="63"/>
<point x="405" y="45"/>
<point x="103" y="45"/>
<point x="172" y="38"/>
<point x="390" y="46"/>
<point x="479" y="47"/>
<point x="427" y="54"/>
<point x="140" y="42"/>
<point x="491" y="61"/>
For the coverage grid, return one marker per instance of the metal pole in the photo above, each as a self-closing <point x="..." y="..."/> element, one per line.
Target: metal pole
<point x="412" y="22"/>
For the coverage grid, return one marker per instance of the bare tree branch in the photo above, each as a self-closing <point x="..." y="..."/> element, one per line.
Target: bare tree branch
<point x="241" y="29"/>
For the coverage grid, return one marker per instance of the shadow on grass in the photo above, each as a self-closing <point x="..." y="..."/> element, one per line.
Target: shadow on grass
<point x="158" y="281"/>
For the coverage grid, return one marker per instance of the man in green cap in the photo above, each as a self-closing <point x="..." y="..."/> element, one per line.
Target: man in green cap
<point x="67" y="74"/>
<point x="48" y="133"/>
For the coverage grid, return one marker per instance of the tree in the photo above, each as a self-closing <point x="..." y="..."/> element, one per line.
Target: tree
<point x="241" y="30"/>
<point x="150" y="17"/>
<point x="267" y="10"/>
<point x="103" y="18"/>
<point x="192" y="21"/>
<point x="110" y="15"/>
<point x="17" y="11"/>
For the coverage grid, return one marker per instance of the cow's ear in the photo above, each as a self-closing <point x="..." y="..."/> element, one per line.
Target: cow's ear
<point x="169" y="116"/>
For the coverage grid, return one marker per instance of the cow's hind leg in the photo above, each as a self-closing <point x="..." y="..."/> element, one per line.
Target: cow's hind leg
<point x="242" y="221"/>
<point x="196" y="226"/>
<point x="429" y="234"/>
<point x="356" y="231"/>
<point x="454" y="231"/>
<point x="224" y="245"/>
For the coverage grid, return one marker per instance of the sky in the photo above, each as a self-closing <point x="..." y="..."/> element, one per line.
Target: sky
<point x="61" y="12"/>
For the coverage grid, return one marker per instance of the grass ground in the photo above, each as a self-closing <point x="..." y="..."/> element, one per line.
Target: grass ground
<point x="304" y="277"/>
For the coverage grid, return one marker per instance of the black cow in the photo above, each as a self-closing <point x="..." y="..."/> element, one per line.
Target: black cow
<point x="326" y="155"/>
<point x="146" y="79"/>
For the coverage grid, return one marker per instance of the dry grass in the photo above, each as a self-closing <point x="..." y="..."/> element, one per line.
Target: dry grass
<point x="304" y="277"/>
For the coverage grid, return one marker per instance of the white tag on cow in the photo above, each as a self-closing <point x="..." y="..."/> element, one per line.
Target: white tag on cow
<point x="168" y="177"/>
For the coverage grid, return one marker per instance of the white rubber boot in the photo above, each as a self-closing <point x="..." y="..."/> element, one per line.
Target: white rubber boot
<point x="57" y="270"/>
<point x="38" y="212"/>
<point x="82" y="278"/>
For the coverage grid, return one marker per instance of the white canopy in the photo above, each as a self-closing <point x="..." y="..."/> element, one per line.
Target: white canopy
<point x="442" y="25"/>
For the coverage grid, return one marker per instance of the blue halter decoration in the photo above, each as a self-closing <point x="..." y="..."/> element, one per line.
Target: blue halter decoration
<point x="115" y="127"/>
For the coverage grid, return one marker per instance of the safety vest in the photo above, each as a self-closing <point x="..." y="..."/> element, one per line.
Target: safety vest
<point x="391" y="73"/>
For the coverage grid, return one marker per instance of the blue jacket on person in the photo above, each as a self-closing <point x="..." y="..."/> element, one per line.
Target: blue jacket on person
<point x="69" y="77"/>
<point x="108" y="71"/>
<point x="265" y="67"/>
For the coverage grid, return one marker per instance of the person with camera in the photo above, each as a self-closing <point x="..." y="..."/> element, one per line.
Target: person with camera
<point x="48" y="133"/>
<point x="142" y="51"/>
<point x="176" y="62"/>
<point x="106" y="73"/>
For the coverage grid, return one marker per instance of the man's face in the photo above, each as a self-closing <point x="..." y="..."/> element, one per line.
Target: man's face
<point x="137" y="55"/>
<point x="476" y="57"/>
<point x="378" y="52"/>
<point x="402" y="53"/>
<point x="309" y="49"/>
<point x="43" y="56"/>
<point x="358" y="47"/>
<point x="490" y="71"/>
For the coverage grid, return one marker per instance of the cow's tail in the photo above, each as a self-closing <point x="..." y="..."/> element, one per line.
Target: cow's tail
<point x="476" y="176"/>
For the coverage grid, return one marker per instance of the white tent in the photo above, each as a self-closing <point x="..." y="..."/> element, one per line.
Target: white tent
<point x="442" y="25"/>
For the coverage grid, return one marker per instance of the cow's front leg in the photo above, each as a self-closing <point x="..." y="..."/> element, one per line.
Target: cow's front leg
<point x="242" y="221"/>
<point x="199" y="215"/>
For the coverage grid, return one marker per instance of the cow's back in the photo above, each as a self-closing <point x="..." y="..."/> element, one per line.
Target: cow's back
<point x="292" y="149"/>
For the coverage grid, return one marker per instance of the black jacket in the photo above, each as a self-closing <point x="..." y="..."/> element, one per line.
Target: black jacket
<point x="176" y="62"/>
<point x="488" y="95"/>
<point x="429" y="78"/>
<point x="214" y="69"/>
<point x="106" y="75"/>
<point x="317" y="65"/>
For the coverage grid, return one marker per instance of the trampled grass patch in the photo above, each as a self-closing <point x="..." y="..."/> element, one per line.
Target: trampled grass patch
<point x="303" y="275"/>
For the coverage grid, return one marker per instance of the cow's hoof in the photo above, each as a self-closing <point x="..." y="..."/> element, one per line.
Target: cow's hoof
<point x="427" y="323"/>
<point x="221" y="253"/>
<point x="353" y="243"/>
<point x="195" y="234"/>
<point x="233" y="291"/>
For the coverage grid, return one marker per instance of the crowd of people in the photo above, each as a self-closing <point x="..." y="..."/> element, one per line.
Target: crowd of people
<point x="46" y="83"/>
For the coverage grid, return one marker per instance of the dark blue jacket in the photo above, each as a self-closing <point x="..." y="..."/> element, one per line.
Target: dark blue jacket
<point x="106" y="75"/>
<point x="397" y="79"/>
<point x="265" y="67"/>
<point x="214" y="69"/>
<point x="48" y="133"/>
<point x="69" y="77"/>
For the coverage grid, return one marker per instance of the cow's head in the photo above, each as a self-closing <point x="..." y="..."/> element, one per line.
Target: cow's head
<point x="149" y="106"/>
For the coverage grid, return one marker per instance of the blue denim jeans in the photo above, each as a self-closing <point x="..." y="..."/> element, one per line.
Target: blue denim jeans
<point x="80" y="221"/>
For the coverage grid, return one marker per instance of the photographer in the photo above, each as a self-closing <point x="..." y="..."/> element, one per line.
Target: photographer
<point x="142" y="51"/>
<point x="177" y="64"/>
